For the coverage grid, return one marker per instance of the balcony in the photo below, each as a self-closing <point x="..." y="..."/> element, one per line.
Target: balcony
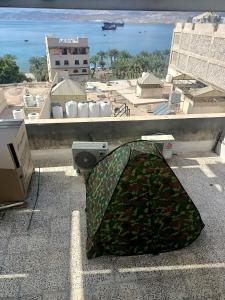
<point x="44" y="257"/>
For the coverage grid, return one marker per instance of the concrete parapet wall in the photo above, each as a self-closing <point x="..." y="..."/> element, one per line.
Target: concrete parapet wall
<point x="3" y="103"/>
<point x="45" y="134"/>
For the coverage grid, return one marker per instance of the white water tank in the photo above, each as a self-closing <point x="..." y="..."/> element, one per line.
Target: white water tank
<point x="169" y="78"/>
<point x="93" y="109"/>
<point x="105" y="109"/>
<point x="29" y="100"/>
<point x="82" y="110"/>
<point x="33" y="116"/>
<point x="71" y="109"/>
<point x="40" y="100"/>
<point x="18" y="114"/>
<point x="57" y="112"/>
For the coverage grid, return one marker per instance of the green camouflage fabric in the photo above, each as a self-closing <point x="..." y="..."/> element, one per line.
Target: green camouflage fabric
<point x="136" y="205"/>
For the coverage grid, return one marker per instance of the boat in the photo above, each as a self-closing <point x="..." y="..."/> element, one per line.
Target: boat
<point x="117" y="24"/>
<point x="26" y="40"/>
<point x="109" y="27"/>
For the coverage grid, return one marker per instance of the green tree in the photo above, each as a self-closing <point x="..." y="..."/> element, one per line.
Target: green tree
<point x="124" y="54"/>
<point x="9" y="71"/>
<point x="38" y="66"/>
<point x="128" y="66"/>
<point x="144" y="53"/>
<point x="101" y="55"/>
<point x="111" y="56"/>
<point x="102" y="63"/>
<point x="94" y="60"/>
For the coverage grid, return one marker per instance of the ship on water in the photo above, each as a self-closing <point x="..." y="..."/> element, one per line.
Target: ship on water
<point x="118" y="24"/>
<point x="112" y="25"/>
<point x="109" y="27"/>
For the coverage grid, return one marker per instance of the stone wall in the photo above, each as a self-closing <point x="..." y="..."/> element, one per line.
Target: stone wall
<point x="199" y="50"/>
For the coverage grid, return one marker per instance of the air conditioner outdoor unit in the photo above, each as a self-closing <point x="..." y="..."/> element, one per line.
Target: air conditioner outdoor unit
<point x="87" y="154"/>
<point x="166" y="140"/>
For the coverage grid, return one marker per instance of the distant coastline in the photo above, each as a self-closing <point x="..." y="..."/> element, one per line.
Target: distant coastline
<point x="93" y="16"/>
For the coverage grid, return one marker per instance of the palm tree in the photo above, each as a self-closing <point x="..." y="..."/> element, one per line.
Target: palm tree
<point x="38" y="66"/>
<point x="115" y="53"/>
<point x="110" y="55"/>
<point x="94" y="60"/>
<point x="124" y="54"/>
<point x="102" y="63"/>
<point x="101" y="54"/>
<point x="144" y="53"/>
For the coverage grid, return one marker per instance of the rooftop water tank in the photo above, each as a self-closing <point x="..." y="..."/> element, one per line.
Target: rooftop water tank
<point x="29" y="101"/>
<point x="71" y="109"/>
<point x="33" y="116"/>
<point x="93" y="109"/>
<point x="40" y="100"/>
<point x="18" y="114"/>
<point x="105" y="109"/>
<point x="57" y="112"/>
<point x="82" y="110"/>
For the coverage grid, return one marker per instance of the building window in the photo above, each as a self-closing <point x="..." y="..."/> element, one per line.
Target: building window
<point x="66" y="62"/>
<point x="77" y="62"/>
<point x="74" y="51"/>
<point x="85" y="62"/>
<point x="75" y="71"/>
<point x="82" y="50"/>
<point x="64" y="51"/>
<point x="84" y="70"/>
<point x="57" y="62"/>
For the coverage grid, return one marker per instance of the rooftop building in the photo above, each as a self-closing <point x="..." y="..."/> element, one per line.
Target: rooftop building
<point x="67" y="57"/>
<point x="149" y="86"/>
<point x="66" y="90"/>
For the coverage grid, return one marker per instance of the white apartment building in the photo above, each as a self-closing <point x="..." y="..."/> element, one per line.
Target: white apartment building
<point x="67" y="57"/>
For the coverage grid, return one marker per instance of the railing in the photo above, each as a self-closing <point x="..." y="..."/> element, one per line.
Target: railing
<point x="123" y="110"/>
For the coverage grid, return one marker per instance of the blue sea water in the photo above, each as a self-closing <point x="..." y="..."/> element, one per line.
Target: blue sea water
<point x="132" y="37"/>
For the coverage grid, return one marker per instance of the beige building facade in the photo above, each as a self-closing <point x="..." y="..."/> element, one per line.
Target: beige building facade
<point x="198" y="50"/>
<point x="69" y="58"/>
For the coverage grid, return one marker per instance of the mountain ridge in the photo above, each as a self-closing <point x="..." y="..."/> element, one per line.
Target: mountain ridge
<point x="93" y="15"/>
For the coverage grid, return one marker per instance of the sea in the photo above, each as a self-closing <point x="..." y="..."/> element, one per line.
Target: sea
<point x="132" y="37"/>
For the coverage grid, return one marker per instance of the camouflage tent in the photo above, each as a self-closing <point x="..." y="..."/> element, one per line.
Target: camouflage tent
<point x="136" y="204"/>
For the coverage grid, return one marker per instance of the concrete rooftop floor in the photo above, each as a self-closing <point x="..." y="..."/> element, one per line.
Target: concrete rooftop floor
<point x="48" y="261"/>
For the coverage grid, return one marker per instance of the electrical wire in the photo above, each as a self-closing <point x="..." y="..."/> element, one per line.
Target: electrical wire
<point x="36" y="199"/>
